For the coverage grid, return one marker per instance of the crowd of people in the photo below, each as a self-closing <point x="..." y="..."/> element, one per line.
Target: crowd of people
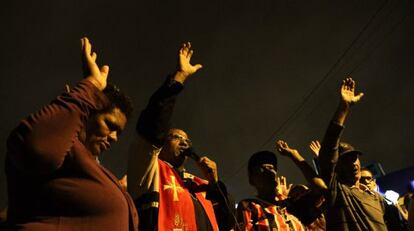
<point x="56" y="182"/>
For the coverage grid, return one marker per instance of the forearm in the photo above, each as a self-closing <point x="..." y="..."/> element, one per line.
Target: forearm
<point x="328" y="154"/>
<point x="154" y="121"/>
<point x="311" y="176"/>
<point x="41" y="141"/>
<point x="315" y="162"/>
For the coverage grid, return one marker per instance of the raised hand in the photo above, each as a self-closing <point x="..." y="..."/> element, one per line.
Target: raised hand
<point x="315" y="146"/>
<point x="283" y="148"/>
<point x="348" y="95"/>
<point x="282" y="187"/>
<point x="96" y="75"/>
<point x="185" y="68"/>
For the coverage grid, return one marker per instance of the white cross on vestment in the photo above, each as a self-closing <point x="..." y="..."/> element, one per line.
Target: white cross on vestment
<point x="174" y="187"/>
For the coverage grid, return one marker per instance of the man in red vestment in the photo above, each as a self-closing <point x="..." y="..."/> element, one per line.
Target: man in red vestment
<point x="166" y="195"/>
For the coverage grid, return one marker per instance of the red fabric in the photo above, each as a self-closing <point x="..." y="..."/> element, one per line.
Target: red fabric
<point x="259" y="220"/>
<point x="176" y="209"/>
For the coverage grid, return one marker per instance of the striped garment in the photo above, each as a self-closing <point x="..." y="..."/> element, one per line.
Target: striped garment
<point x="255" y="214"/>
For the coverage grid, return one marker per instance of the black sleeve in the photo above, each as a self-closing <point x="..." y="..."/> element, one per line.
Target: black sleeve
<point x="328" y="155"/>
<point x="147" y="207"/>
<point x="224" y="205"/>
<point x="305" y="208"/>
<point x="154" y="121"/>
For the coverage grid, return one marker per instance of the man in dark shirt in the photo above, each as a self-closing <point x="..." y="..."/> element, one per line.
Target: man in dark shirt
<point x="166" y="195"/>
<point x="350" y="205"/>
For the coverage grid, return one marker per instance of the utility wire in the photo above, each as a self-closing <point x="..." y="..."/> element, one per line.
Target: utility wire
<point x="318" y="85"/>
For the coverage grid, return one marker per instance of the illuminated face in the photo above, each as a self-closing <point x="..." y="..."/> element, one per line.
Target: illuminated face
<point x="176" y="143"/>
<point x="368" y="180"/>
<point x="349" y="168"/>
<point x="103" y="129"/>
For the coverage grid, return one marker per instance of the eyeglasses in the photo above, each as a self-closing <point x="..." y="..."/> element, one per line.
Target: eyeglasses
<point x="366" y="179"/>
<point x="180" y="138"/>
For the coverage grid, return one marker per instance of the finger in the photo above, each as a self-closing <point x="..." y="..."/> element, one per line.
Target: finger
<point x="278" y="144"/>
<point x="184" y="45"/>
<point x="283" y="180"/>
<point x="181" y="51"/>
<point x="94" y="56"/>
<point x="88" y="49"/>
<point x="105" y="71"/>
<point x="343" y="86"/>
<point x="198" y="66"/>
<point x="358" y="97"/>
<point x="350" y="83"/>
<point x="82" y="43"/>
<point x="185" y="48"/>
<point x="190" y="53"/>
<point x="346" y="84"/>
<point x="67" y="88"/>
<point x="203" y="160"/>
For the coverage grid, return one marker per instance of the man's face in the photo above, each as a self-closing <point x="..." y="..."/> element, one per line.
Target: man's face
<point x="264" y="178"/>
<point x="102" y="129"/>
<point x="368" y="180"/>
<point x="349" y="167"/>
<point x="176" y="143"/>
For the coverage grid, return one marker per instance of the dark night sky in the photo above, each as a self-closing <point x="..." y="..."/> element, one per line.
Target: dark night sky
<point x="262" y="61"/>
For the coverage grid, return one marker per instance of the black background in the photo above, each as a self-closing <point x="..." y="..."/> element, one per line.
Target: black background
<point x="271" y="70"/>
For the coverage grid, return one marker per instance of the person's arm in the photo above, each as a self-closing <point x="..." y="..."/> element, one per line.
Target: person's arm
<point x="223" y="205"/>
<point x="154" y="121"/>
<point x="315" y="146"/>
<point x="41" y="142"/>
<point x="153" y="126"/>
<point x="328" y="154"/>
<point x="315" y="181"/>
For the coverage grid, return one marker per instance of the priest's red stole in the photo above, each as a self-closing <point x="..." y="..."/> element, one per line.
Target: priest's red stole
<point x="176" y="209"/>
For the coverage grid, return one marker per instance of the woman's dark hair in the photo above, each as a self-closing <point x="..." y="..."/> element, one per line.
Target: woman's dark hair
<point x="118" y="99"/>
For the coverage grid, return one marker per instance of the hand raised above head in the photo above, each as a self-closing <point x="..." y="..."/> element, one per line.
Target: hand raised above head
<point x="315" y="146"/>
<point x="283" y="148"/>
<point x="348" y="95"/>
<point x="98" y="76"/>
<point x="185" y="68"/>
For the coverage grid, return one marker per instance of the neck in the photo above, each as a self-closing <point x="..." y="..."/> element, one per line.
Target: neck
<point x="270" y="196"/>
<point x="350" y="182"/>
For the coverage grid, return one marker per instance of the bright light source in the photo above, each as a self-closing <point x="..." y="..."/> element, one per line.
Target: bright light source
<point x="391" y="196"/>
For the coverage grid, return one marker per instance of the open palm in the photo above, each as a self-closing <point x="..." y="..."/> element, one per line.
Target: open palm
<point x="348" y="94"/>
<point x="98" y="76"/>
<point x="185" y="54"/>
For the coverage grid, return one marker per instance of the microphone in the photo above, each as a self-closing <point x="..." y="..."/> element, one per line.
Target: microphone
<point x="190" y="152"/>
